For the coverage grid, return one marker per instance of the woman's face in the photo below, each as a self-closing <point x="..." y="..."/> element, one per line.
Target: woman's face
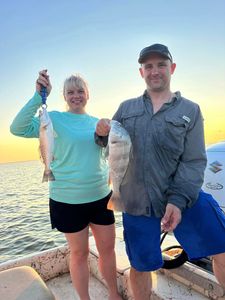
<point x="76" y="99"/>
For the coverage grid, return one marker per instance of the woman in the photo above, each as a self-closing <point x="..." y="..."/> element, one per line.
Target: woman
<point x="80" y="192"/>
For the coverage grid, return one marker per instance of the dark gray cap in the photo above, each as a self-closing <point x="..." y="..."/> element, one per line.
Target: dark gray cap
<point x="156" y="48"/>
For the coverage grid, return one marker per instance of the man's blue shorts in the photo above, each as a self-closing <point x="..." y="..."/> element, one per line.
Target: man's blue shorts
<point x="201" y="233"/>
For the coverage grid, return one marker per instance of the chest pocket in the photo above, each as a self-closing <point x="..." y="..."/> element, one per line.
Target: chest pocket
<point x="129" y="122"/>
<point x="172" y="134"/>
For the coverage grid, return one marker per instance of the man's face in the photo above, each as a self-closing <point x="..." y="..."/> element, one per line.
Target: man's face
<point x="157" y="71"/>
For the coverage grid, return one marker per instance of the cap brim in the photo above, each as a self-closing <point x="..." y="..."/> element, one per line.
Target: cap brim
<point x="147" y="55"/>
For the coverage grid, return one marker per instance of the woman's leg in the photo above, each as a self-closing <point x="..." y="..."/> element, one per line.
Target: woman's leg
<point x="105" y="241"/>
<point x="78" y="244"/>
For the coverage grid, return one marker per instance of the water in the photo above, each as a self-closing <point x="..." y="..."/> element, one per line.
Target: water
<point x="25" y="224"/>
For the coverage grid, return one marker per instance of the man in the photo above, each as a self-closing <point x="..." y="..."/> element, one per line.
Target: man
<point x="165" y="175"/>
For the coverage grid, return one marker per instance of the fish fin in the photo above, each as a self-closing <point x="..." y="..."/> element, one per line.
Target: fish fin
<point x="131" y="153"/>
<point x="124" y="179"/>
<point x="110" y="205"/>
<point x="115" y="202"/>
<point x="48" y="176"/>
<point x="51" y="177"/>
<point x="109" y="181"/>
<point x="40" y="156"/>
<point x="106" y="151"/>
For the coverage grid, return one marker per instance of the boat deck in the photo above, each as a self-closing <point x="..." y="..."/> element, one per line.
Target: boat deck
<point x="166" y="285"/>
<point x="163" y="289"/>
<point x="62" y="288"/>
<point x="188" y="282"/>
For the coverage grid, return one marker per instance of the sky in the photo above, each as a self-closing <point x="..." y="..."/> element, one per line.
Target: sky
<point x="101" y="40"/>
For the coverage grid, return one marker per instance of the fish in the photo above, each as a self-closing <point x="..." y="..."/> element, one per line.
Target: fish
<point x="119" y="148"/>
<point x="46" y="139"/>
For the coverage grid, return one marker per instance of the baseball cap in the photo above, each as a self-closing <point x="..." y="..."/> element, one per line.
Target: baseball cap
<point x="155" y="48"/>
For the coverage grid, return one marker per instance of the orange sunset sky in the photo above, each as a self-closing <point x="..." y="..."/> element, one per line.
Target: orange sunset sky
<point x="101" y="41"/>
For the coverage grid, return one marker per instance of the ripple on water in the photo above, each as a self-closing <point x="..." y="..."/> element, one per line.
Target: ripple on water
<point x="25" y="224"/>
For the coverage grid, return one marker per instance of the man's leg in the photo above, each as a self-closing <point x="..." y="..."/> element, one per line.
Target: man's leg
<point x="141" y="284"/>
<point x="206" y="237"/>
<point x="219" y="268"/>
<point x="142" y="239"/>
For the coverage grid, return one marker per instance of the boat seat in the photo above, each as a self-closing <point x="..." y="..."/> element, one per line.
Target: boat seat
<point x="23" y="283"/>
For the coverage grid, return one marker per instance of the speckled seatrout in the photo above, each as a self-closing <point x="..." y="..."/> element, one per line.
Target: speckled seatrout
<point x="46" y="138"/>
<point x="119" y="148"/>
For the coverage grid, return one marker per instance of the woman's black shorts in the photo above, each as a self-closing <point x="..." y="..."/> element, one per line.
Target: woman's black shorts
<point x="70" y="218"/>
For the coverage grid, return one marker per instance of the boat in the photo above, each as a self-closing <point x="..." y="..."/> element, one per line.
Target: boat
<point x="214" y="180"/>
<point x="45" y="275"/>
<point x="50" y="273"/>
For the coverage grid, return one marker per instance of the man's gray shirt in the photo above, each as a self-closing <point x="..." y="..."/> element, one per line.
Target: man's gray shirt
<point x="168" y="156"/>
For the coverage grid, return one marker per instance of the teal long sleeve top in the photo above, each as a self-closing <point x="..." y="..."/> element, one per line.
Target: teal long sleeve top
<point x="79" y="165"/>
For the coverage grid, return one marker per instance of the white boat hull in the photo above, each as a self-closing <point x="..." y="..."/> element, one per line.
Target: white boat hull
<point x="186" y="283"/>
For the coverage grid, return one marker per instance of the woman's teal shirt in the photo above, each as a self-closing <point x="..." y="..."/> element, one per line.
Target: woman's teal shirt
<point x="79" y="165"/>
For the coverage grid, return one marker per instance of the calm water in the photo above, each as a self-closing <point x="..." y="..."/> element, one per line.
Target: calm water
<point x="25" y="225"/>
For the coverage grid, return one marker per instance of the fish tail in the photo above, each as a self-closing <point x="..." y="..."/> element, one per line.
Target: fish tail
<point x="115" y="202"/>
<point x="48" y="176"/>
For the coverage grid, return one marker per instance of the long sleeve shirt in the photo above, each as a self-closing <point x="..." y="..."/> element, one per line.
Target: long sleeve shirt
<point x="79" y="165"/>
<point x="168" y="154"/>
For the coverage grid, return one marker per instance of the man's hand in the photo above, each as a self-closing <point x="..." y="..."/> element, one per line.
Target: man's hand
<point x="171" y="218"/>
<point x="103" y="127"/>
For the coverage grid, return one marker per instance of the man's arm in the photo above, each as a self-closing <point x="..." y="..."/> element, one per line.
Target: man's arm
<point x="187" y="181"/>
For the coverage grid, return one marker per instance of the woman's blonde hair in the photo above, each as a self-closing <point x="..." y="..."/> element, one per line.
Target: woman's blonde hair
<point x="75" y="81"/>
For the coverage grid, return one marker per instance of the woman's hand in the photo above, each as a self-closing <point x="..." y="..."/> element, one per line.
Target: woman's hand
<point x="43" y="80"/>
<point x="103" y="127"/>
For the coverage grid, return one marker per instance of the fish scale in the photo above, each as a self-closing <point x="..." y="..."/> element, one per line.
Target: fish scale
<point x="46" y="138"/>
<point x="119" y="147"/>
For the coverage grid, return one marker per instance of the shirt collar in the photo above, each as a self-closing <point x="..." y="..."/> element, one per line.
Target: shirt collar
<point x="176" y="96"/>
